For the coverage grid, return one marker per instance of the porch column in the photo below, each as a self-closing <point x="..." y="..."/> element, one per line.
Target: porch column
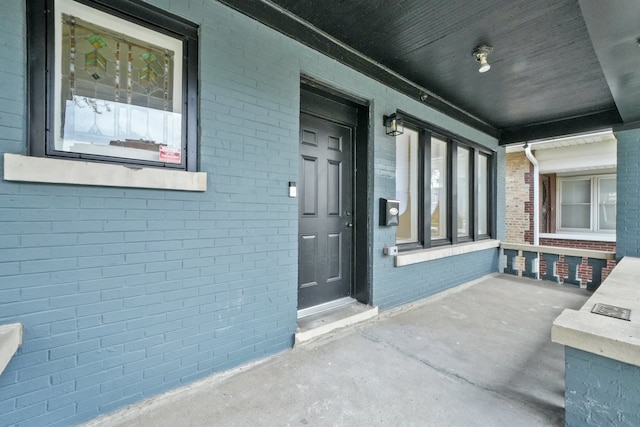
<point x="628" y="191"/>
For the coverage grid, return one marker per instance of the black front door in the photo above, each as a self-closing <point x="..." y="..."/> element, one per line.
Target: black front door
<point x="325" y="209"/>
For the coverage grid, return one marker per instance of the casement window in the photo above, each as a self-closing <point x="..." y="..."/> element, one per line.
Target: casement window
<point x="112" y="81"/>
<point x="445" y="188"/>
<point x="587" y="204"/>
<point x="408" y="150"/>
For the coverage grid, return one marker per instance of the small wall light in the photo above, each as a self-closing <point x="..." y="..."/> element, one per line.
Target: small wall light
<point x="394" y="125"/>
<point x="481" y="53"/>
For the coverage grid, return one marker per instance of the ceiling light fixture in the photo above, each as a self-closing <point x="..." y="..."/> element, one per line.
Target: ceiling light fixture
<point x="480" y="53"/>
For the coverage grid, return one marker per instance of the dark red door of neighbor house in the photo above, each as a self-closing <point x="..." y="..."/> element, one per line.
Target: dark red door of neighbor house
<point x="325" y="209"/>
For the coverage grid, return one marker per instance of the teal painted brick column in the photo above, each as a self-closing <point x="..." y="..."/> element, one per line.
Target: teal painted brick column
<point x="628" y="206"/>
<point x="600" y="391"/>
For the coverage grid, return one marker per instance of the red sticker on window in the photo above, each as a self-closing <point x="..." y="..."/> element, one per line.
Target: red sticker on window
<point x="169" y="154"/>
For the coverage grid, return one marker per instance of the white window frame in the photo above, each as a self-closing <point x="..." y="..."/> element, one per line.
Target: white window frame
<point x="594" y="223"/>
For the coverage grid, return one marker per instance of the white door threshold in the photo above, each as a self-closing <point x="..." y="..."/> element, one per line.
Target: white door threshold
<point x="322" y="323"/>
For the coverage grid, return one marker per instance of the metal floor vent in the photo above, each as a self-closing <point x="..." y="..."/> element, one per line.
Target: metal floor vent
<point x="612" y="311"/>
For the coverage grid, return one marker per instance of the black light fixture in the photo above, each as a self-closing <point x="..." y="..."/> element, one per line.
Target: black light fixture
<point x="394" y="125"/>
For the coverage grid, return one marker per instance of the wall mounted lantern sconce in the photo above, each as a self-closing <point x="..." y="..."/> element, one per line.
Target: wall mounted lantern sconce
<point x="481" y="53"/>
<point x="394" y="125"/>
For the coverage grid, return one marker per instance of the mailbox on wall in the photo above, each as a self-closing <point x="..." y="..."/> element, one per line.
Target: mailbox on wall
<point x="389" y="212"/>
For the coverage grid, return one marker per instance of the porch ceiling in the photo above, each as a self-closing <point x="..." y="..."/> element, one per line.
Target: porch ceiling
<point x="558" y="66"/>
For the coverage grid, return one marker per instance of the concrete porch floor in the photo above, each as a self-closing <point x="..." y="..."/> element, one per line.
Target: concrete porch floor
<point x="479" y="355"/>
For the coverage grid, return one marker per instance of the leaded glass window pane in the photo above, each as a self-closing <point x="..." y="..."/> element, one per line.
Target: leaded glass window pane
<point x="119" y="91"/>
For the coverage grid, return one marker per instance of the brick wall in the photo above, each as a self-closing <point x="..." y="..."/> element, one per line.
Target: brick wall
<point x="519" y="218"/>
<point x="422" y="280"/>
<point x="518" y="207"/>
<point x="126" y="293"/>
<point x="584" y="270"/>
<point x="600" y="391"/>
<point x="628" y="190"/>
<point x="579" y="244"/>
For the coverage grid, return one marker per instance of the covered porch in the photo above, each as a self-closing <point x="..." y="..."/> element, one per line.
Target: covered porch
<point x="173" y="279"/>
<point x="479" y="354"/>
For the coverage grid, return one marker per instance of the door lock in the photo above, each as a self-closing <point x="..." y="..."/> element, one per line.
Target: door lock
<point x="349" y="225"/>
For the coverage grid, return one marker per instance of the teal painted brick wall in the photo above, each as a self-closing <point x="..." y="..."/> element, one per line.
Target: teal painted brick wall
<point x="416" y="281"/>
<point x="126" y="293"/>
<point x="12" y="83"/>
<point x="600" y="391"/>
<point x="628" y="191"/>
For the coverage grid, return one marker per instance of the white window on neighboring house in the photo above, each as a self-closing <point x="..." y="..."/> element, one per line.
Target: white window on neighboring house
<point x="587" y="204"/>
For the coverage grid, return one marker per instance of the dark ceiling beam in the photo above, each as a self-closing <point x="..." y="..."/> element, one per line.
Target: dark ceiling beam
<point x="294" y="27"/>
<point x="554" y="129"/>
<point x="613" y="28"/>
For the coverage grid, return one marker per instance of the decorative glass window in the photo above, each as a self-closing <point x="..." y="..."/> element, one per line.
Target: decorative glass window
<point x="455" y="204"/>
<point x="123" y="84"/>
<point x="587" y="204"/>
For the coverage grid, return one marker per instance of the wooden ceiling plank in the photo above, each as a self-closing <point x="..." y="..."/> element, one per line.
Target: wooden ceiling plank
<point x="544" y="68"/>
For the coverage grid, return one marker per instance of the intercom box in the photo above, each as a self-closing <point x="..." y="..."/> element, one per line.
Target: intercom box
<point x="389" y="212"/>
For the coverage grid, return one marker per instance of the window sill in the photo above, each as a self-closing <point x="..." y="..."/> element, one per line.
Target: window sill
<point x="60" y="171"/>
<point x="594" y="237"/>
<point x="424" y="255"/>
<point x="10" y="340"/>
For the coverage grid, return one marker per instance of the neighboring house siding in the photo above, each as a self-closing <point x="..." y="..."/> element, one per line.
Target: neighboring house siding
<point x="126" y="293"/>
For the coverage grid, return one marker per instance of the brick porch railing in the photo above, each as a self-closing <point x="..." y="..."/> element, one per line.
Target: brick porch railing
<point x="579" y="267"/>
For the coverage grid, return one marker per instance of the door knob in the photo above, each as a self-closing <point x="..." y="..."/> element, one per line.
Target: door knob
<point x="349" y="225"/>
